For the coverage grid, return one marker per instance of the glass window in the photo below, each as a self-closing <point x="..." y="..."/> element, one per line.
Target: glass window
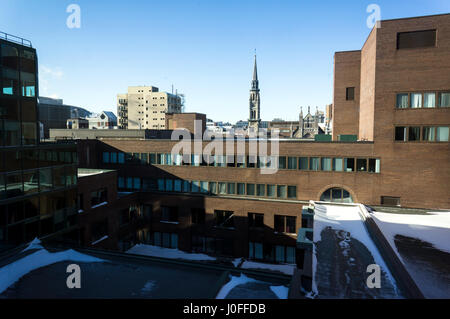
<point x="121" y="158"/>
<point x="429" y="100"/>
<point x="240" y="188"/>
<point x="292" y="162"/>
<point x="349" y="164"/>
<point x="28" y="63"/>
<point x="195" y="186"/>
<point x="213" y="187"/>
<point x="29" y="133"/>
<point x="428" y="134"/>
<point x="444" y="99"/>
<point x="106" y="157"/>
<point x="251" y="161"/>
<point x="336" y="194"/>
<point x="303" y="163"/>
<point x="374" y="165"/>
<point x="240" y="160"/>
<point x="282" y="162"/>
<point x="14" y="186"/>
<point x="414" y="134"/>
<point x="292" y="191"/>
<point x="402" y="100"/>
<point x="271" y="191"/>
<point x="290" y="255"/>
<point x="231" y="188"/>
<point x="281" y="191"/>
<point x="224" y="218"/>
<point x="10" y="56"/>
<point x="442" y="134"/>
<point x="161" y="184"/>
<point x="222" y="188"/>
<point x="260" y="190"/>
<point x="314" y="163"/>
<point x="28" y="84"/>
<point x="144" y="158"/>
<point x="251" y="189"/>
<point x="30" y="182"/>
<point x="114" y="157"/>
<point x="416" y="100"/>
<point x="129" y="183"/>
<point x="186" y="186"/>
<point x="400" y="133"/>
<point x="326" y="163"/>
<point x="120" y="182"/>
<point x="338" y="165"/>
<point x="174" y="241"/>
<point x="169" y="185"/>
<point x="279" y="254"/>
<point x="152" y="158"/>
<point x="361" y="164"/>
<point x="203" y="187"/>
<point x="160" y="159"/>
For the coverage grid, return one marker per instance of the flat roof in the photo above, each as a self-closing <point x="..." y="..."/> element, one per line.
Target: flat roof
<point x="41" y="273"/>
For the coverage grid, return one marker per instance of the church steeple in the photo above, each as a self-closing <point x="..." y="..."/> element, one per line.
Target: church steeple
<point x="255" y="83"/>
<point x="254" y="118"/>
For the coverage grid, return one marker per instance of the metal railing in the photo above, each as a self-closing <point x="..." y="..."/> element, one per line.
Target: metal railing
<point x="15" y="39"/>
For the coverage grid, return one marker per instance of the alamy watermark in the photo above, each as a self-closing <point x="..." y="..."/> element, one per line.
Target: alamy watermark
<point x="74" y="279"/>
<point x="375" y="18"/>
<point x="74" y="19"/>
<point x="374" y="279"/>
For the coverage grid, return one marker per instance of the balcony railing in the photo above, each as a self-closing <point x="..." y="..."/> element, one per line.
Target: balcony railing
<point x="13" y="38"/>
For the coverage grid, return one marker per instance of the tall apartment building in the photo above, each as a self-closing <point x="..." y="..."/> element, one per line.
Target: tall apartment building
<point x="38" y="184"/>
<point x="144" y="107"/>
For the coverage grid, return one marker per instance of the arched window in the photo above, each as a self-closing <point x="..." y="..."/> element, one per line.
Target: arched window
<point x="337" y="195"/>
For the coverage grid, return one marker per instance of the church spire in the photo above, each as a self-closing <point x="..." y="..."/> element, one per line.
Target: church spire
<point x="255" y="82"/>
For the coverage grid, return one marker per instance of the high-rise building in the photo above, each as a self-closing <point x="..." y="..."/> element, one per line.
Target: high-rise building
<point x="255" y="118"/>
<point x="37" y="181"/>
<point x="144" y="107"/>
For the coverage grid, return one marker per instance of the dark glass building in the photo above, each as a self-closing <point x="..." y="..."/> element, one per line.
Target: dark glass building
<point x="37" y="180"/>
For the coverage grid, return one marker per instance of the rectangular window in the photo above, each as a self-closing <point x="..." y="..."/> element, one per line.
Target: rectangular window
<point x="350" y="94"/>
<point x="400" y="133"/>
<point x="213" y="187"/>
<point x="144" y="158"/>
<point x="429" y="100"/>
<point x="121" y="158"/>
<point x="152" y="158"/>
<point x="169" y="185"/>
<point x="349" y="164"/>
<point x="224" y="218"/>
<point x="303" y="163"/>
<point x="374" y="165"/>
<point x="137" y="183"/>
<point x="282" y="162"/>
<point x="240" y="188"/>
<point x="416" y="39"/>
<point x="271" y="189"/>
<point x="281" y="191"/>
<point x="120" y="182"/>
<point x="177" y="185"/>
<point x="231" y="188"/>
<point x="292" y="162"/>
<point x="114" y="157"/>
<point x="390" y="201"/>
<point x="416" y="100"/>
<point x="260" y="190"/>
<point x="240" y="160"/>
<point x="160" y="159"/>
<point x="444" y="99"/>
<point x="251" y="189"/>
<point x="169" y="214"/>
<point x="292" y="191"/>
<point x="402" y="100"/>
<point x="195" y="186"/>
<point x="428" y="134"/>
<point x="255" y="251"/>
<point x="255" y="220"/>
<point x="222" y="188"/>
<point x="186" y="186"/>
<point x="99" y="196"/>
<point x="203" y="187"/>
<point x="326" y="163"/>
<point x="106" y="158"/>
<point x="161" y="185"/>
<point x="338" y="165"/>
<point x="314" y="163"/>
<point x="361" y="164"/>
<point x="251" y="161"/>
<point x="442" y="134"/>
<point x="285" y="224"/>
<point x="198" y="215"/>
<point x="414" y="134"/>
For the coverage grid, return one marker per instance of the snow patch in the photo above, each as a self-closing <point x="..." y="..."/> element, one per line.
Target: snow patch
<point x="156" y="251"/>
<point x="280" y="291"/>
<point x="287" y="269"/>
<point x="11" y="273"/>
<point x="234" y="282"/>
<point x="35" y="244"/>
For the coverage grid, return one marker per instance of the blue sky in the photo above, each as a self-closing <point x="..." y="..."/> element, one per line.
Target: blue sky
<point x="203" y="47"/>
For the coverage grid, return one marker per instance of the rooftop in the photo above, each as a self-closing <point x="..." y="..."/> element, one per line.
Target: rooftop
<point x="15" y="39"/>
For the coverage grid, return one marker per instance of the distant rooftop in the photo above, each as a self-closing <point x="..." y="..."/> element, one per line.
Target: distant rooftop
<point x="15" y="39"/>
<point x="82" y="172"/>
